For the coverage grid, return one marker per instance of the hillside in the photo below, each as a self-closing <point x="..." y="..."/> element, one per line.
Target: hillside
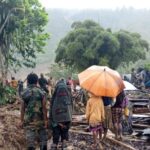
<point x="60" y="24"/>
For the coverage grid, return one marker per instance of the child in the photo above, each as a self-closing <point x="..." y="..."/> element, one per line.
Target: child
<point x="95" y="116"/>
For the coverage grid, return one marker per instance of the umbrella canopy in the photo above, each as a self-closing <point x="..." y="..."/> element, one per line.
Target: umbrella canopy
<point x="129" y="86"/>
<point x="101" y="81"/>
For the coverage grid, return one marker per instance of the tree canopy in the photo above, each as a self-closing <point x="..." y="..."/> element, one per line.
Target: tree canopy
<point x="89" y="44"/>
<point x="21" y="33"/>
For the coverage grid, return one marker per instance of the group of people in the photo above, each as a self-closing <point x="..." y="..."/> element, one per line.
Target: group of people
<point x="140" y="77"/>
<point x="35" y="117"/>
<point x="46" y="84"/>
<point x="102" y="113"/>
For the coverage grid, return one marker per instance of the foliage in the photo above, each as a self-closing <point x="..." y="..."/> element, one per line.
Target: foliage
<point x="126" y="68"/>
<point x="21" y="33"/>
<point x="147" y="66"/>
<point x="90" y="44"/>
<point x="58" y="71"/>
<point x="7" y="94"/>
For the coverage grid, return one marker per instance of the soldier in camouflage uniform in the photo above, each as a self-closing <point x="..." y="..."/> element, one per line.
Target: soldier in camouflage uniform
<point x="34" y="114"/>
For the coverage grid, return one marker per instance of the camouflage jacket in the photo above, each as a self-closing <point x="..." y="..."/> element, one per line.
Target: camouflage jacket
<point x="32" y="97"/>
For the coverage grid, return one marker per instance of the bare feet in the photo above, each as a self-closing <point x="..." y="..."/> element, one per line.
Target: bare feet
<point x="93" y="146"/>
<point x="100" y="146"/>
<point x="116" y="137"/>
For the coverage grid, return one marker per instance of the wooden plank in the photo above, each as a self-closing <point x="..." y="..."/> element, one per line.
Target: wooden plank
<point x="141" y="125"/>
<point x="79" y="123"/>
<point x="138" y="99"/>
<point x="81" y="132"/>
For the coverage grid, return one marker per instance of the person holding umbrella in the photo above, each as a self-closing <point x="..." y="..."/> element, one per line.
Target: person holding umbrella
<point x="95" y="116"/>
<point x="101" y="81"/>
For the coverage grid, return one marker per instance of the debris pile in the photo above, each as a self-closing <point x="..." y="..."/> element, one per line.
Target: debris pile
<point x="80" y="140"/>
<point x="78" y="108"/>
<point x="79" y="102"/>
<point x="139" y="101"/>
<point x="11" y="136"/>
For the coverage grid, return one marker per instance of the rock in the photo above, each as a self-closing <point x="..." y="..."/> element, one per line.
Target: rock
<point x="83" y="143"/>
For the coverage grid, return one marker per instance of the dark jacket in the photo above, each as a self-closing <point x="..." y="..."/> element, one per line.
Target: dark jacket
<point x="61" y="104"/>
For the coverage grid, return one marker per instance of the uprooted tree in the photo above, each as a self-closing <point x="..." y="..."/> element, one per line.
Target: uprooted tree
<point x="21" y="33"/>
<point x="89" y="44"/>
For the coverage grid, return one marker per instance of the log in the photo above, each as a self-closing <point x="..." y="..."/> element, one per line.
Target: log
<point x="127" y="147"/>
<point x="121" y="144"/>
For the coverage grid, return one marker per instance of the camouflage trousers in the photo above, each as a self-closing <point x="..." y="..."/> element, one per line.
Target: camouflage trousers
<point x="34" y="136"/>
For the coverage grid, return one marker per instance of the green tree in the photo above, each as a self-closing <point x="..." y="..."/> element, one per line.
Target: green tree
<point x="21" y="33"/>
<point x="131" y="49"/>
<point x="89" y="44"/>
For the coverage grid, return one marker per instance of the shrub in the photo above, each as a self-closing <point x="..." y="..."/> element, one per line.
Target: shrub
<point x="7" y="94"/>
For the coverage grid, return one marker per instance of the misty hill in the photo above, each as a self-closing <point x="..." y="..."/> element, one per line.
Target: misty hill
<point x="60" y="24"/>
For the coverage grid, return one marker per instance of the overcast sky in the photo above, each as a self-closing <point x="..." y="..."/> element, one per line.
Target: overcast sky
<point x="94" y="4"/>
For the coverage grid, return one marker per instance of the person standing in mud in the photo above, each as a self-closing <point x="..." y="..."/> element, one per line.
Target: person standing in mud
<point x="14" y="83"/>
<point x="51" y="85"/>
<point x="43" y="83"/>
<point x="95" y="116"/>
<point x="34" y="114"/>
<point x="70" y="84"/>
<point x="60" y="115"/>
<point x="107" y="124"/>
<point x="117" y="114"/>
<point x="20" y="87"/>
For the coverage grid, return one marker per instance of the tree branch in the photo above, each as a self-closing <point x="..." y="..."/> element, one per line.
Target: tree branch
<point x="8" y="15"/>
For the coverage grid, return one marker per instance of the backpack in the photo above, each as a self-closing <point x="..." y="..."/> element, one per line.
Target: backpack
<point x="61" y="105"/>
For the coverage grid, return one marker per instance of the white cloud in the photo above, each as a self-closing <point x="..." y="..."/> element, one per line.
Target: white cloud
<point x="81" y="4"/>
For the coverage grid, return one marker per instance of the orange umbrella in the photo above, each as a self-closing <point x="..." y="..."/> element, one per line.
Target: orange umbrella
<point x="101" y="81"/>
